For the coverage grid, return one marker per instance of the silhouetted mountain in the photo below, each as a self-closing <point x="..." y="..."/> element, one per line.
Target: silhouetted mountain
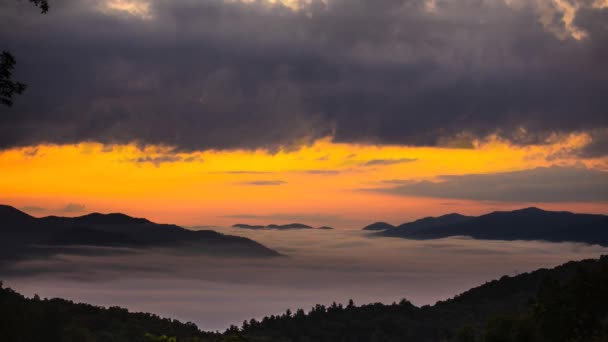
<point x="567" y="303"/>
<point x="247" y="226"/>
<point x="10" y="215"/>
<point x="523" y="224"/>
<point x="273" y="226"/>
<point x="289" y="226"/>
<point x="379" y="226"/>
<point x="427" y="222"/>
<point x="113" y="218"/>
<point x="84" y="236"/>
<point x="325" y="228"/>
<point x="22" y="235"/>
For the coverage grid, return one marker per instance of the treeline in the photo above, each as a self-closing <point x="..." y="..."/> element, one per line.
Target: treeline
<point x="49" y="320"/>
<point x="567" y="303"/>
<point x="574" y="310"/>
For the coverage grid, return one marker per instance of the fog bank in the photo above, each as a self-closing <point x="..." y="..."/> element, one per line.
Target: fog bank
<point x="321" y="267"/>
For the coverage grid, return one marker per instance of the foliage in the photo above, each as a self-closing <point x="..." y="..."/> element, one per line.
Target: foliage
<point x="9" y="87"/>
<point x="35" y="320"/>
<point x="568" y="303"/>
<point x="572" y="310"/>
<point x="42" y="4"/>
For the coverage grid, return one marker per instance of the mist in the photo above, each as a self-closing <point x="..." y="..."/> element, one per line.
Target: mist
<point x="319" y="267"/>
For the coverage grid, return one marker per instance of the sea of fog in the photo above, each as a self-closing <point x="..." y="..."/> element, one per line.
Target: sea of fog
<point x="321" y="266"/>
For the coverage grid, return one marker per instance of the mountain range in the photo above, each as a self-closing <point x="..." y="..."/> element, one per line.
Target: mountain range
<point x="22" y="235"/>
<point x="524" y="224"/>
<point x="279" y="226"/>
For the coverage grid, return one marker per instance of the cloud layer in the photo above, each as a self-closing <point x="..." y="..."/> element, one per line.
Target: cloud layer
<point x="553" y="184"/>
<point x="322" y="267"/>
<point x="229" y="74"/>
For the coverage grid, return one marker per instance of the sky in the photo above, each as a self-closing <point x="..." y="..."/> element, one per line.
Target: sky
<point x="324" y="112"/>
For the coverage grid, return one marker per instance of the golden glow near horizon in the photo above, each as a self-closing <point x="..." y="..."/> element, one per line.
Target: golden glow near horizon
<point x="137" y="8"/>
<point x="293" y="4"/>
<point x="208" y="187"/>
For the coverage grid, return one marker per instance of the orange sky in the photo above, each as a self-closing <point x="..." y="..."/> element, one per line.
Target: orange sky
<point x="319" y="184"/>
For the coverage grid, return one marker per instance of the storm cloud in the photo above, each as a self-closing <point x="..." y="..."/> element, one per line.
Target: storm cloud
<point x="216" y="74"/>
<point x="552" y="184"/>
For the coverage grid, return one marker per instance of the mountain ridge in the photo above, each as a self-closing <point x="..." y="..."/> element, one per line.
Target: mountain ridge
<point x="22" y="235"/>
<point x="288" y="226"/>
<point x="522" y="224"/>
<point x="378" y="226"/>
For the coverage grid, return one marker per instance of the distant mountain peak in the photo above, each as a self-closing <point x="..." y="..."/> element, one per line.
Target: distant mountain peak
<point x="20" y="233"/>
<point x="452" y="215"/>
<point x="273" y="226"/>
<point x="112" y="218"/>
<point x="523" y="224"/>
<point x="379" y="226"/>
<point x="10" y="214"/>
<point x="429" y="222"/>
<point x="530" y="210"/>
<point x="247" y="226"/>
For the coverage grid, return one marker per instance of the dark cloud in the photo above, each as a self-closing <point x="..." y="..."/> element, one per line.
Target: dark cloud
<point x="31" y="152"/>
<point x="162" y="159"/>
<point x="241" y="172"/>
<point x="377" y="162"/>
<point x="73" y="208"/>
<point x="598" y="145"/>
<point x="245" y="172"/>
<point x="322" y="172"/>
<point x="218" y="74"/>
<point x="553" y="184"/>
<point x="264" y="182"/>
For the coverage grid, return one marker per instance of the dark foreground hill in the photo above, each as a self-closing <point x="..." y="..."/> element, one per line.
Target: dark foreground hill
<point x="567" y="303"/>
<point x="22" y="235"/>
<point x="523" y="224"/>
<point x="58" y="320"/>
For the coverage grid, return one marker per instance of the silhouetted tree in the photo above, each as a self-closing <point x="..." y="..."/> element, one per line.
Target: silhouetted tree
<point x="42" y="4"/>
<point x="9" y="87"/>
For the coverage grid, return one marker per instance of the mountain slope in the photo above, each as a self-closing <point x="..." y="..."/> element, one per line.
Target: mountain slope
<point x="466" y="317"/>
<point x="11" y="216"/>
<point x="58" y="320"/>
<point x="523" y="224"/>
<point x="427" y="222"/>
<point x="22" y="235"/>
<point x="376" y="226"/>
<point x="273" y="226"/>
